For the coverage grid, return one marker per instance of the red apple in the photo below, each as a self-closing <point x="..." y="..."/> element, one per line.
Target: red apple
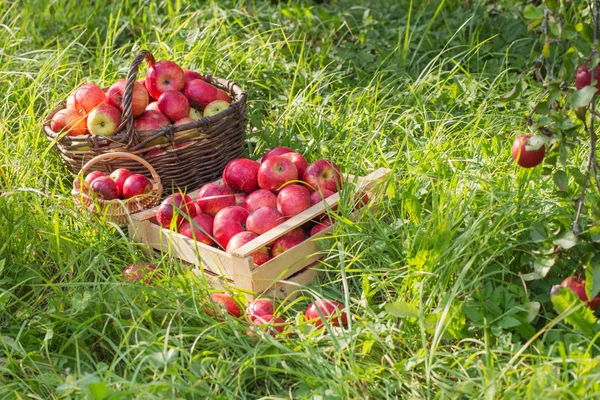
<point x="522" y="156"/>
<point x="150" y="120"/>
<point x="212" y="198"/>
<point x="104" y="120"/>
<point x="583" y="77"/>
<point x="275" y="172"/>
<point x="135" y="185"/>
<point x="320" y="195"/>
<point x="152" y="106"/>
<point x="200" y="93"/>
<point x="222" y="95"/>
<point x="89" y="178"/>
<point x="283" y="244"/>
<point x="183" y="121"/>
<point x="331" y="310"/>
<point x="178" y="204"/>
<point x="360" y="199"/>
<point x="104" y="188"/>
<point x="139" y="100"/>
<point x="298" y="160"/>
<point x="164" y="76"/>
<point x="215" y="107"/>
<point x="241" y="174"/>
<point x="71" y="102"/>
<point x="260" y="198"/>
<point x="240" y="198"/>
<point x="119" y="176"/>
<point x="200" y="229"/>
<point x="277" y="151"/>
<point x="228" y="222"/>
<point x="155" y="152"/>
<point x="191" y="75"/>
<point x="263" y="220"/>
<point x="174" y="105"/>
<point x="260" y="308"/>
<point x="224" y="302"/>
<point x="298" y="233"/>
<point x="139" y="273"/>
<point x="577" y="285"/>
<point x="293" y="199"/>
<point x="323" y="174"/>
<point x="87" y="97"/>
<point x="259" y="257"/>
<point x="69" y="120"/>
<point x="320" y="226"/>
<point x="269" y="323"/>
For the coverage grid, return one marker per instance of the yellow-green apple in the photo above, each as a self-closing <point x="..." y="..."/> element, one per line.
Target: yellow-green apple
<point x="200" y="93"/>
<point x="320" y="195"/>
<point x="153" y="106"/>
<point x="139" y="100"/>
<point x="195" y="114"/>
<point x="326" y="223"/>
<point x="200" y="228"/>
<point x="135" y="185"/>
<point x="150" y="120"/>
<point x="330" y="310"/>
<point x="177" y="204"/>
<point x="293" y="199"/>
<point x="260" y="198"/>
<point x="269" y="323"/>
<point x="191" y="75"/>
<point x="222" y="95"/>
<point x="526" y="158"/>
<point x="283" y="244"/>
<point x="241" y="174"/>
<point x="163" y="76"/>
<point x="89" y="178"/>
<point x="263" y="220"/>
<point x="277" y="151"/>
<point x="259" y="257"/>
<point x="276" y="171"/>
<point x="260" y="308"/>
<point x="228" y="222"/>
<point x="212" y="198"/>
<point x="69" y="120"/>
<point x="120" y="176"/>
<point x="140" y="273"/>
<point x="215" y="107"/>
<point x="223" y="302"/>
<point x="323" y="174"/>
<point x="104" y="120"/>
<point x="298" y="160"/>
<point x="88" y="97"/>
<point x="104" y="188"/>
<point x="577" y="285"/>
<point x="174" y="105"/>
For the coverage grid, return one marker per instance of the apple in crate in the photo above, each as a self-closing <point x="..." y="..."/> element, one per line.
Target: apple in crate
<point x="284" y="243"/>
<point x="136" y="185"/>
<point x="228" y="222"/>
<point x="215" y="107"/>
<point x="331" y="310"/>
<point x="224" y="302"/>
<point x="276" y="171"/>
<point x="241" y="174"/>
<point x="296" y="233"/>
<point x="293" y="199"/>
<point x="174" y="105"/>
<point x="277" y="151"/>
<point x="120" y="176"/>
<point x="87" y="97"/>
<point x="104" y="120"/>
<point x="200" y="229"/>
<point x="139" y="273"/>
<point x="263" y="220"/>
<point x="150" y="120"/>
<point x="69" y="120"/>
<point x="200" y="93"/>
<point x="320" y="227"/>
<point x="178" y="204"/>
<point x="320" y="195"/>
<point x="323" y="174"/>
<point x="104" y="188"/>
<point x="260" y="198"/>
<point x="240" y="198"/>
<point x="260" y="308"/>
<point x="191" y="75"/>
<point x="259" y="257"/>
<point x="212" y="198"/>
<point x="164" y="76"/>
<point x="139" y="101"/>
<point x="298" y="160"/>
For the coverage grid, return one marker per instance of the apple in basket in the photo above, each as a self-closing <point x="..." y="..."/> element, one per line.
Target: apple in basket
<point x="139" y="101"/>
<point x="191" y="75"/>
<point x="164" y="76"/>
<point x="174" y="105"/>
<point x="89" y="178"/>
<point x="200" y="93"/>
<point x="215" y="107"/>
<point x="151" y="120"/>
<point x="120" y="176"/>
<point x="69" y="120"/>
<point x="136" y="185"/>
<point x="87" y="97"/>
<point x="104" y="188"/>
<point x="104" y="120"/>
<point x="222" y="95"/>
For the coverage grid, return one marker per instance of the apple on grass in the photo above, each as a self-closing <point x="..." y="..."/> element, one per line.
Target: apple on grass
<point x="260" y="198"/>
<point x="139" y="101"/>
<point x="120" y="176"/>
<point x="263" y="220"/>
<point x="330" y="310"/>
<point x="276" y="171"/>
<point x="200" y="228"/>
<point x="200" y="93"/>
<point x="215" y="107"/>
<point x="241" y="174"/>
<point x="283" y="244"/>
<point x="269" y="323"/>
<point x="298" y="160"/>
<point x="176" y="205"/>
<point x="164" y="76"/>
<point x="212" y="198"/>
<point x="277" y="151"/>
<point x="145" y="273"/>
<point x="260" y="308"/>
<point x="174" y="105"/>
<point x="222" y="302"/>
<point x="259" y="257"/>
<point x="104" y="188"/>
<point x="69" y="120"/>
<point x="526" y="158"/>
<point x="228" y="222"/>
<point x="293" y="199"/>
<point x="136" y="185"/>
<point x="104" y="120"/>
<point x="323" y="174"/>
<point x="87" y="97"/>
<point x="151" y="120"/>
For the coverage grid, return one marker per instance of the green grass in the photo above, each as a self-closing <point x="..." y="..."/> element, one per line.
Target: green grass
<point x="410" y="86"/>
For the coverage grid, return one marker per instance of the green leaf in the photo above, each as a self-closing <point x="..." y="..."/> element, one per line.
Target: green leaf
<point x="513" y="93"/>
<point x="536" y="142"/>
<point x="577" y="175"/>
<point x="533" y="13"/>
<point x="98" y="390"/>
<point x="567" y="241"/>
<point x="561" y="180"/>
<point x="582" y="97"/>
<point x="565" y="301"/>
<point x="533" y="309"/>
<point x="402" y="309"/>
<point x="391" y="190"/>
<point x="537" y="232"/>
<point x="508" y="322"/>
<point x="552" y="5"/>
<point x="592" y="279"/>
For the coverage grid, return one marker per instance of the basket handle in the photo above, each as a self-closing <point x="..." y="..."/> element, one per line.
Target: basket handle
<point x="120" y="154"/>
<point x="127" y="116"/>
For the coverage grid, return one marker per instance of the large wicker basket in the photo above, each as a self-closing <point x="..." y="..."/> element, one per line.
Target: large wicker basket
<point x="210" y="143"/>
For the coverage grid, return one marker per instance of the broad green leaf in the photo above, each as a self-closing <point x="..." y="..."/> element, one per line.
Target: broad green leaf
<point x="533" y="13"/>
<point x="402" y="309"/>
<point x="567" y="241"/>
<point x="561" y="180"/>
<point x="537" y="232"/>
<point x="580" y="316"/>
<point x="513" y="93"/>
<point x="592" y="279"/>
<point x="552" y="5"/>
<point x="582" y="97"/>
<point x="508" y="322"/>
<point x="391" y="190"/>
<point x="536" y="142"/>
<point x="98" y="390"/>
<point x="533" y="309"/>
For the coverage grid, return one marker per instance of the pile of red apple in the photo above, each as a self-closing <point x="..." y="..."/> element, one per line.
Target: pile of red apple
<point x="120" y="184"/>
<point x="255" y="197"/>
<point x="167" y="95"/>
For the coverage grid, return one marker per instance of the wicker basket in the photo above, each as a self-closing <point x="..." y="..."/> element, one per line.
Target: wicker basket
<point x="117" y="211"/>
<point x="212" y="141"/>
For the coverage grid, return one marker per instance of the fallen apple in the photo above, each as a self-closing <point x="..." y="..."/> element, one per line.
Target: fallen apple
<point x="223" y="302"/>
<point x="330" y="310"/>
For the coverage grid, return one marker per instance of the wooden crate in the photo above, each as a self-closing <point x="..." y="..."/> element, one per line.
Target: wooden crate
<point x="237" y="269"/>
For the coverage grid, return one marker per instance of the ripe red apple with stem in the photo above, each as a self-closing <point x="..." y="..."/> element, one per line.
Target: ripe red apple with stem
<point x="136" y="185"/>
<point x="330" y="310"/>
<point x="176" y="205"/>
<point x="223" y="302"/>
<point x="263" y="220"/>
<point x="200" y="228"/>
<point x="228" y="222"/>
<point x="260" y="198"/>
<point x="212" y="198"/>
<point x="200" y="93"/>
<point x="104" y="120"/>
<point x="241" y="174"/>
<point x="120" y="176"/>
<point x="323" y="174"/>
<point x="104" y="188"/>
<point x="259" y="257"/>
<point x="526" y="158"/>
<point x="174" y="105"/>
<point x="69" y="120"/>
<point x="298" y="160"/>
<point x="276" y="171"/>
<point x="583" y="78"/>
<point x="139" y="101"/>
<point x="293" y="199"/>
<point x="164" y="76"/>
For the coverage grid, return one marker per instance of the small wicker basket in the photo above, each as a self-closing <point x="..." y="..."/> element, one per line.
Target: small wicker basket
<point x="117" y="211"/>
<point x="196" y="153"/>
